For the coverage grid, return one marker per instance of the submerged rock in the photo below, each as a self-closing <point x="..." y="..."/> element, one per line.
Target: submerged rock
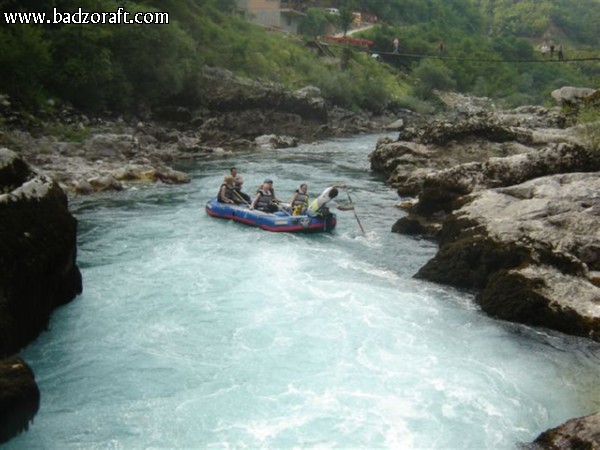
<point x="19" y="397"/>
<point x="272" y="141"/>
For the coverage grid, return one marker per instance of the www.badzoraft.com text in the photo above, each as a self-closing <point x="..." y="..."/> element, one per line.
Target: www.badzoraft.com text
<point x="120" y="16"/>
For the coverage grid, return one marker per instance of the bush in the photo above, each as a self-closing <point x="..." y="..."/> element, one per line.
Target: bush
<point x="122" y="67"/>
<point x="589" y="119"/>
<point x="415" y="104"/>
<point x="83" y="69"/>
<point x="25" y="58"/>
<point x="155" y="60"/>
<point x="517" y="99"/>
<point x="430" y="75"/>
<point x="316" y="23"/>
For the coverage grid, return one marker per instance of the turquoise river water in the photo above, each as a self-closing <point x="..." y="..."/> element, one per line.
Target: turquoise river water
<point x="195" y="332"/>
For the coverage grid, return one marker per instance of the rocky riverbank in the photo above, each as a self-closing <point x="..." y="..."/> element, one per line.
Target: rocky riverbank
<point x="513" y="199"/>
<point x="91" y="154"/>
<point x="38" y="273"/>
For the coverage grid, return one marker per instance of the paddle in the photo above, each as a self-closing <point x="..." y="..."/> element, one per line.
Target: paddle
<point x="282" y="209"/>
<point x="354" y="211"/>
<point x="241" y="198"/>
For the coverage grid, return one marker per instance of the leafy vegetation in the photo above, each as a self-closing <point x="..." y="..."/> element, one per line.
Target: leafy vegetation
<point x="588" y="118"/>
<point x="491" y="46"/>
<point x="491" y="49"/>
<point x="317" y="23"/>
<point x="138" y="67"/>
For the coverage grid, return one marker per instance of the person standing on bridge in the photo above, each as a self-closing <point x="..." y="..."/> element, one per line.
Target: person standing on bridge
<point x="559" y="51"/>
<point x="396" y="44"/>
<point x="441" y="48"/>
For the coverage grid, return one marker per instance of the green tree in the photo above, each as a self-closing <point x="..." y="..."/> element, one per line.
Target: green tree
<point x="155" y="59"/>
<point x="316" y="22"/>
<point x="430" y="75"/>
<point x="83" y="69"/>
<point x="25" y="59"/>
<point x="346" y="16"/>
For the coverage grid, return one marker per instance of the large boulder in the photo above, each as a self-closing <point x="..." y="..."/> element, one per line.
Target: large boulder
<point x="529" y="250"/>
<point x="569" y="95"/>
<point x="19" y="397"/>
<point x="482" y="125"/>
<point x="38" y="249"/>
<point x="579" y="433"/>
<point x="442" y="143"/>
<point x="38" y="272"/>
<point x="520" y="229"/>
<point x="441" y="190"/>
<point x="222" y="91"/>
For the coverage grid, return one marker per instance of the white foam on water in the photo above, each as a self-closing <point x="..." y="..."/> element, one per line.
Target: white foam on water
<point x="194" y="332"/>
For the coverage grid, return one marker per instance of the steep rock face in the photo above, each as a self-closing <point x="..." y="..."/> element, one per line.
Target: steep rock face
<point x="530" y="249"/>
<point x="38" y="272"/>
<point x="514" y="202"/>
<point x="223" y="91"/>
<point x="443" y="143"/>
<point x="520" y="228"/>
<point x="440" y="190"/>
<point x="512" y="198"/>
<point x="229" y="105"/>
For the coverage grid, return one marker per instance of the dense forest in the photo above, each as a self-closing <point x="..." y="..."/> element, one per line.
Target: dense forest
<point x="491" y="48"/>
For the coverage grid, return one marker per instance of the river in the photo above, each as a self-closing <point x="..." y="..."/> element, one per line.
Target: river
<point x="195" y="332"/>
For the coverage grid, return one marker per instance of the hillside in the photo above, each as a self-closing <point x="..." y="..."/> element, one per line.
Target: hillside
<point x="573" y="22"/>
<point x="492" y="48"/>
<point x="136" y="68"/>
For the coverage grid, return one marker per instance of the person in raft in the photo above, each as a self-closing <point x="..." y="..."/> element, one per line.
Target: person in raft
<point x="238" y="181"/>
<point x="320" y="206"/>
<point x="265" y="199"/>
<point x="226" y="191"/>
<point x="299" y="201"/>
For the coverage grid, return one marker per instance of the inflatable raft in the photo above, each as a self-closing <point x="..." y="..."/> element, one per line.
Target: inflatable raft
<point x="278" y="221"/>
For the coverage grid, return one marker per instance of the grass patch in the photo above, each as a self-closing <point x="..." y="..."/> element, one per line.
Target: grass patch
<point x="589" y="119"/>
<point x="68" y="133"/>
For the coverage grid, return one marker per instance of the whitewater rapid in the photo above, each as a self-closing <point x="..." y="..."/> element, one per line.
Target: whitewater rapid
<point x="195" y="332"/>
